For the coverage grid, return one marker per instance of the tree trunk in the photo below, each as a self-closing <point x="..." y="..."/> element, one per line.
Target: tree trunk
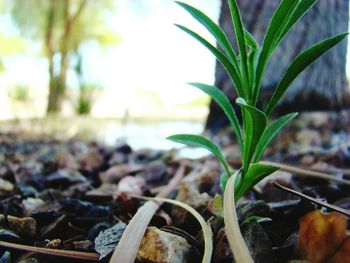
<point x="58" y="84"/>
<point x="51" y="105"/>
<point x="321" y="87"/>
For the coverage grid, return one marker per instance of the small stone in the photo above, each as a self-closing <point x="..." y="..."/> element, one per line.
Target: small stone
<point x="189" y="194"/>
<point x="155" y="173"/>
<point x="222" y="250"/>
<point x="103" y="193"/>
<point x="7" y="235"/>
<point x="308" y="137"/>
<point x="31" y="203"/>
<point x="96" y="229"/>
<point x="54" y="243"/>
<point x="6" y="257"/>
<point x="252" y="208"/>
<point x="259" y="245"/>
<point x="84" y="245"/>
<point x="116" y="172"/>
<point x="158" y="246"/>
<point x="64" y="178"/>
<point x="108" y="239"/>
<point x="25" y="226"/>
<point x="6" y="185"/>
<point x="131" y="184"/>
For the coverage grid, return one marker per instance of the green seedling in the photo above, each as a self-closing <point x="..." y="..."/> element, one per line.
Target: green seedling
<point x="246" y="67"/>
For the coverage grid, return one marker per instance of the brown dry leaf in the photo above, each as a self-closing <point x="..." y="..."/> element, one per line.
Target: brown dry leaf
<point x="320" y="235"/>
<point x="343" y="254"/>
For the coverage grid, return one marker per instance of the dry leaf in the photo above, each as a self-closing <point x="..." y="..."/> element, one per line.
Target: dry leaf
<point x="320" y="235"/>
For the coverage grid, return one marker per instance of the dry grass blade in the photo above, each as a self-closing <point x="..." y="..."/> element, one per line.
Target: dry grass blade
<point x="128" y="245"/>
<point x="309" y="173"/>
<point x="332" y="170"/>
<point x="321" y="203"/>
<point x="53" y="252"/>
<point x="233" y="232"/>
<point x="207" y="233"/>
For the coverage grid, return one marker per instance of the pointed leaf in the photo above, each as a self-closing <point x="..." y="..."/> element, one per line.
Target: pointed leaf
<point x="251" y="41"/>
<point x="255" y="124"/>
<point x="301" y="62"/>
<point x="214" y="29"/>
<point x="231" y="70"/>
<point x="224" y="103"/>
<point x="240" y="38"/>
<point x="255" y="174"/>
<point x="200" y="141"/>
<point x="271" y="130"/>
<point x="277" y="21"/>
<point x="299" y="12"/>
<point x="252" y="57"/>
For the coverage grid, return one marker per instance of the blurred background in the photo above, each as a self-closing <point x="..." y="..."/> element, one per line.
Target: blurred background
<point x="109" y="69"/>
<point x="122" y="63"/>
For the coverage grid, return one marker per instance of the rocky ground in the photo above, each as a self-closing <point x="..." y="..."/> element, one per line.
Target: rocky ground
<point x="72" y="200"/>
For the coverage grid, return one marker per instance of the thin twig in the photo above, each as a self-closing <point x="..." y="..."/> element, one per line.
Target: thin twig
<point x="126" y="250"/>
<point x="53" y="252"/>
<point x="309" y="173"/>
<point x="321" y="203"/>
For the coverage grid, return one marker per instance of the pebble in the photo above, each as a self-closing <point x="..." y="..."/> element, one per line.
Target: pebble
<point x="84" y="245"/>
<point x="25" y="226"/>
<point x="158" y="246"/>
<point x="108" y="239"/>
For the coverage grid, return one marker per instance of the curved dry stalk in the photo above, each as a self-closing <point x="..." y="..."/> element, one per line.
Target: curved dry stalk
<point x="52" y="252"/>
<point x="309" y="173"/>
<point x="207" y="232"/>
<point x="233" y="232"/>
<point x="130" y="241"/>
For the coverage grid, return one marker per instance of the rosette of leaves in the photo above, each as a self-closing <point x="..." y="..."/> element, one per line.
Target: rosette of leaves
<point x="246" y="69"/>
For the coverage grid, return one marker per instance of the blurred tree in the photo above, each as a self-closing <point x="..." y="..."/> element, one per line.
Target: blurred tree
<point x="84" y="103"/>
<point x="62" y="26"/>
<point x="323" y="86"/>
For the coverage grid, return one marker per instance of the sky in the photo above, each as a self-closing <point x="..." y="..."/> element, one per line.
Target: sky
<point x="153" y="55"/>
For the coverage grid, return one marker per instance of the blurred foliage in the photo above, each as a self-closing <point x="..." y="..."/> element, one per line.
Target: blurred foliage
<point x="86" y="99"/>
<point x="31" y="18"/>
<point x="62" y="27"/>
<point x="19" y="93"/>
<point x="11" y="45"/>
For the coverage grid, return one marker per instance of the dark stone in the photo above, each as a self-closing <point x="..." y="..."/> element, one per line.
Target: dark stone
<point x="8" y="235"/>
<point x="108" y="239"/>
<point x="258" y="242"/>
<point x="252" y="208"/>
<point x="96" y="229"/>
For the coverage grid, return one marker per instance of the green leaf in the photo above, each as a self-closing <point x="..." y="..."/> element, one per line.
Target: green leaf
<point x="255" y="174"/>
<point x="271" y="130"/>
<point x="299" y="64"/>
<point x="223" y="181"/>
<point x="298" y="13"/>
<point x="200" y="141"/>
<point x="278" y="19"/>
<point x="251" y="41"/>
<point x="241" y="43"/>
<point x="231" y="70"/>
<point x="252" y="57"/>
<point x="258" y="219"/>
<point x="224" y="103"/>
<point x="214" y="29"/>
<point x="255" y="123"/>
